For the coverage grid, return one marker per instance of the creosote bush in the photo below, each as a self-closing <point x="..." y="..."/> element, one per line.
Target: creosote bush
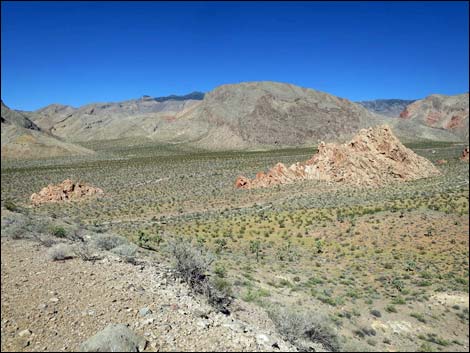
<point x="193" y="264"/>
<point x="60" y="252"/>
<point x="304" y="328"/>
<point x="126" y="251"/>
<point x="109" y="241"/>
<point x="58" y="232"/>
<point x="86" y="252"/>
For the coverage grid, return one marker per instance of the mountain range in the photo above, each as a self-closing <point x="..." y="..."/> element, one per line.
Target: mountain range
<point x="248" y="115"/>
<point x="386" y="107"/>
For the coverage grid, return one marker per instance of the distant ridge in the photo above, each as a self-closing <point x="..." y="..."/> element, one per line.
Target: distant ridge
<point x="388" y="107"/>
<point x="196" y="95"/>
<point x="247" y="115"/>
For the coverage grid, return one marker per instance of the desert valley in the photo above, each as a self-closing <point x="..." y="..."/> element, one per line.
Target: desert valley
<point x="235" y="176"/>
<point x="179" y="219"/>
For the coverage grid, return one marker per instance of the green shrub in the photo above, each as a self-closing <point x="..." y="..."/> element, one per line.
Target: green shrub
<point x="58" y="232"/>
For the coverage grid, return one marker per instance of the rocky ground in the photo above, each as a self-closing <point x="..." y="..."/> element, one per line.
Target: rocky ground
<point x="57" y="305"/>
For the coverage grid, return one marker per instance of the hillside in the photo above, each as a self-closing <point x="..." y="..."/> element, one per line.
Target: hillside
<point x="105" y="121"/>
<point x="248" y="115"/>
<point x="439" y="111"/>
<point x="22" y="138"/>
<point x="245" y="115"/>
<point x="267" y="114"/>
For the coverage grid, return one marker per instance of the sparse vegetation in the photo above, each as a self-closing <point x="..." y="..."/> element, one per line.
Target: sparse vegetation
<point x="346" y="251"/>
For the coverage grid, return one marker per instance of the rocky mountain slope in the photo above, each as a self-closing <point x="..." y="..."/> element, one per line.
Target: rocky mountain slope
<point x="231" y="116"/>
<point x="22" y="138"/>
<point x="266" y="113"/>
<point x="439" y="111"/>
<point x="373" y="157"/>
<point x="106" y="121"/>
<point x="387" y="107"/>
<point x="247" y="115"/>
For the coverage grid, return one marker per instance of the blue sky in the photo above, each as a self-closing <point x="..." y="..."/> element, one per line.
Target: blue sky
<point x="82" y="52"/>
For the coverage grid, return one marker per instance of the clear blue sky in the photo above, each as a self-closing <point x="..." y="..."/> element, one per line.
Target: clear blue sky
<point x="82" y="52"/>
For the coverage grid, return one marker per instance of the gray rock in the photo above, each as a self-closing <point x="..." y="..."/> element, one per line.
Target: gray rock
<point x="203" y="323"/>
<point x="145" y="311"/>
<point x="236" y="327"/>
<point x="114" y="338"/>
<point x="262" y="339"/>
<point x="24" y="333"/>
<point x="267" y="341"/>
<point x="42" y="306"/>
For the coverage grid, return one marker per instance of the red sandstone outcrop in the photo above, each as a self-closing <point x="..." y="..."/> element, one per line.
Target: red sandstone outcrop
<point x="464" y="156"/>
<point x="65" y="191"/>
<point x="373" y="157"/>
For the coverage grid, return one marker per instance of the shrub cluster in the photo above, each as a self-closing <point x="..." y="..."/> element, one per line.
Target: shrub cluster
<point x="304" y="328"/>
<point x="193" y="264"/>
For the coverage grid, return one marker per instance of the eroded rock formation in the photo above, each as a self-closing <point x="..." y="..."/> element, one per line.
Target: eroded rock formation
<point x="65" y="191"/>
<point x="373" y="157"/>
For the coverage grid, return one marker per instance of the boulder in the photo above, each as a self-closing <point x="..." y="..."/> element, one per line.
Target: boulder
<point x="114" y="338"/>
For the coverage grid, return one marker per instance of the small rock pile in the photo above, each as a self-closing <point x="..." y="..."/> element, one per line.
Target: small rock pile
<point x="465" y="154"/>
<point x="372" y="158"/>
<point x="65" y="191"/>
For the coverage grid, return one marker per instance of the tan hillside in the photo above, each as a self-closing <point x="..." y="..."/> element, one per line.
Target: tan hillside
<point x="108" y="121"/>
<point x="23" y="139"/>
<point x="247" y="115"/>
